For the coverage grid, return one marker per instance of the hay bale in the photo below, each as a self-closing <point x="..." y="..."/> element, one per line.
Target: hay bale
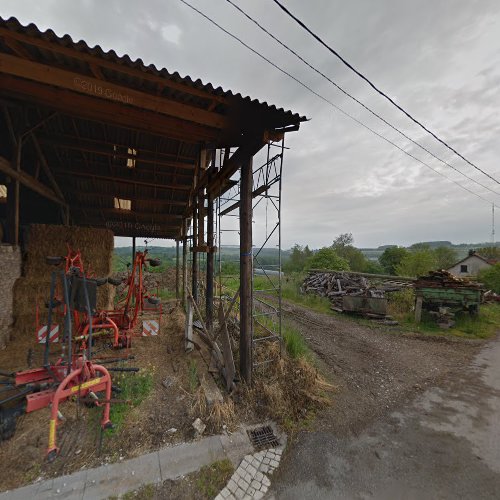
<point x="96" y="246"/>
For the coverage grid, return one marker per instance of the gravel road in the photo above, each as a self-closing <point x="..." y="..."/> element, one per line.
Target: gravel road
<point x="412" y="417"/>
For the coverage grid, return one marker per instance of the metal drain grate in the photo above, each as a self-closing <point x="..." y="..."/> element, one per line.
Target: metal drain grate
<point x="263" y="437"/>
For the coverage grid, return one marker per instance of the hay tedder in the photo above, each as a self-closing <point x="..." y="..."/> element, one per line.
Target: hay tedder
<point x="71" y="375"/>
<point x="119" y="323"/>
<point x="75" y="323"/>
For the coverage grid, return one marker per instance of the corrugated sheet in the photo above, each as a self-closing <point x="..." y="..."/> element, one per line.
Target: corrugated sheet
<point x="32" y="30"/>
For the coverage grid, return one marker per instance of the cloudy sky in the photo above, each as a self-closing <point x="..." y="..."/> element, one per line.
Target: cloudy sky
<point x="440" y="59"/>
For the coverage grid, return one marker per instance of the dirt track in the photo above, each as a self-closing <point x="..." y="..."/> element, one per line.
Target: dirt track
<point x="375" y="368"/>
<point x="412" y="417"/>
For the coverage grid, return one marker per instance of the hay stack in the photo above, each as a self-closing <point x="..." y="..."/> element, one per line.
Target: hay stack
<point x="96" y="246"/>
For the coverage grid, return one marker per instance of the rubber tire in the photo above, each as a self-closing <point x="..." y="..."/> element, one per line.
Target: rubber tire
<point x="154" y="262"/>
<point x="53" y="261"/>
<point x="115" y="281"/>
<point x="154" y="300"/>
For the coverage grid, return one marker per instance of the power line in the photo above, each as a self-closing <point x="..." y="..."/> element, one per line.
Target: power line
<point x="330" y="102"/>
<point x="345" y="92"/>
<point x="352" y="68"/>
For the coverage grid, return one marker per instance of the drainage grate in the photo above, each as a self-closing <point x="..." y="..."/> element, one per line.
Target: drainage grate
<point x="263" y="437"/>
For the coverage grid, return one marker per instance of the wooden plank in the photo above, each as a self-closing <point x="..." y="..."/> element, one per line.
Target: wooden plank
<point x="418" y="309"/>
<point x="105" y="111"/>
<point x="29" y="181"/>
<point x="227" y="352"/>
<point x="87" y="85"/>
<point x="103" y="63"/>
<point x="188" y="332"/>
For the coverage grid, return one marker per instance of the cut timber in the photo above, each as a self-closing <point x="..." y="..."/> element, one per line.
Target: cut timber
<point x="230" y="370"/>
<point x="212" y="392"/>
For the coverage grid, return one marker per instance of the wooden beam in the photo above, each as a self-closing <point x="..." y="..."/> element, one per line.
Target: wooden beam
<point x="88" y="107"/>
<point x="86" y="85"/>
<point x="157" y="184"/>
<point x="126" y="214"/>
<point x="120" y="68"/>
<point x="100" y="194"/>
<point x="105" y="149"/>
<point x="17" y="48"/>
<point x="29" y="181"/>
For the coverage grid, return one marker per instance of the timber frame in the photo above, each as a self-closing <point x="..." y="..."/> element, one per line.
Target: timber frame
<point x="94" y="139"/>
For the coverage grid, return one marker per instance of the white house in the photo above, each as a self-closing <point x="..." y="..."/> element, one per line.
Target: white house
<point x="470" y="266"/>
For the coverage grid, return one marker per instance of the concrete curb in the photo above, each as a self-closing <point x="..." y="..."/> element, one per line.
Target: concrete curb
<point x="156" y="467"/>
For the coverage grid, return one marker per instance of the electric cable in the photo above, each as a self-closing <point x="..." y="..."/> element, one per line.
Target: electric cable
<point x="383" y="94"/>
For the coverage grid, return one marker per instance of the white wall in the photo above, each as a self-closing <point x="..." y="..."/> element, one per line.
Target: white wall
<point x="474" y="265"/>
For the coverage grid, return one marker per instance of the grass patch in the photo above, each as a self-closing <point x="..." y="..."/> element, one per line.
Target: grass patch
<point x="483" y="326"/>
<point x="212" y="478"/>
<point x="135" y="388"/>
<point x="294" y="342"/>
<point x="290" y="290"/>
<point x="193" y="379"/>
<point x="166" y="294"/>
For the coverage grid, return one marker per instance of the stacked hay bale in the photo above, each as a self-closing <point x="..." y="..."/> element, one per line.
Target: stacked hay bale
<point x="96" y="246"/>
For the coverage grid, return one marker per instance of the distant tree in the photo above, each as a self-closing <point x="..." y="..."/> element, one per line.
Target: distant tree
<point x="417" y="263"/>
<point x="491" y="278"/>
<point x="489" y="252"/>
<point x="343" y="246"/>
<point x="445" y="257"/>
<point x="373" y="267"/>
<point x="416" y="247"/>
<point x="297" y="259"/>
<point x="391" y="258"/>
<point x="343" y="240"/>
<point x="327" y="258"/>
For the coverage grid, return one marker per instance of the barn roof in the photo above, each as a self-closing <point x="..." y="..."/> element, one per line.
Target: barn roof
<point x="99" y="127"/>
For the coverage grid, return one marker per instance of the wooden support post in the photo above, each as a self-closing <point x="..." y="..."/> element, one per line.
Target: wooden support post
<point x="210" y="265"/>
<point x="418" y="309"/>
<point x="246" y="265"/>
<point x="177" y="271"/>
<point x="184" y="266"/>
<point x="14" y="194"/>
<point x="188" y="334"/>
<point x="194" y="243"/>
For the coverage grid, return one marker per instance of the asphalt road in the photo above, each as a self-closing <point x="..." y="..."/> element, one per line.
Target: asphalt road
<point x="443" y="444"/>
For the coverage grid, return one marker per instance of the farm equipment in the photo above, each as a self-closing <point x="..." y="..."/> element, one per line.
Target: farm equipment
<point x="72" y="375"/>
<point x="136" y="300"/>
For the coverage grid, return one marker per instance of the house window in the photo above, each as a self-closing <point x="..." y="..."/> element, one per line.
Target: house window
<point x="464" y="268"/>
<point x="123" y="204"/>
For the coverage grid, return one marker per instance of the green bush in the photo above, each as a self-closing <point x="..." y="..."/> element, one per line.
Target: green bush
<point x="491" y="278"/>
<point x="327" y="258"/>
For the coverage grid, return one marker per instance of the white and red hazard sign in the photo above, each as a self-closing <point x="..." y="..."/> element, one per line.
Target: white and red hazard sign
<point x="150" y="327"/>
<point x="41" y="334"/>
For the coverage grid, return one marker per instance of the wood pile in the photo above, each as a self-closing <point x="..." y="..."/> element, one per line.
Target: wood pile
<point x="443" y="279"/>
<point x="335" y="285"/>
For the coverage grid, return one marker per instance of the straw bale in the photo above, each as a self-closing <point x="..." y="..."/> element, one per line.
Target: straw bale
<point x="96" y="246"/>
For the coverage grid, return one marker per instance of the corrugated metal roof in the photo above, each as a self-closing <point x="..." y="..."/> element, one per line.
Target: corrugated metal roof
<point x="13" y="25"/>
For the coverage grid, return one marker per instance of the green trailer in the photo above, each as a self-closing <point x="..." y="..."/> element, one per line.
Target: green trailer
<point x="459" y="298"/>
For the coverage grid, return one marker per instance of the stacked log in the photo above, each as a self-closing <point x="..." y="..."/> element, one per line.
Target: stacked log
<point x="336" y="284"/>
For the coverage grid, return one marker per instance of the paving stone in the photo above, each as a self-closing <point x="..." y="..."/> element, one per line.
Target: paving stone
<point x="252" y="470"/>
<point x="259" y="476"/>
<point x="255" y="462"/>
<point x="279" y="451"/>
<point x="264" y="488"/>
<point x="264" y="468"/>
<point x="232" y="486"/>
<point x="225" y="493"/>
<point x="243" y="484"/>
<point x="248" y="477"/>
<point x="219" y="497"/>
<point x="260" y="455"/>
<point x="251" y="491"/>
<point x="243" y="465"/>
<point x="274" y="463"/>
<point x="266" y="461"/>
<point x="239" y="493"/>
<point x="258" y="495"/>
<point x="255" y="484"/>
<point x="266" y="481"/>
